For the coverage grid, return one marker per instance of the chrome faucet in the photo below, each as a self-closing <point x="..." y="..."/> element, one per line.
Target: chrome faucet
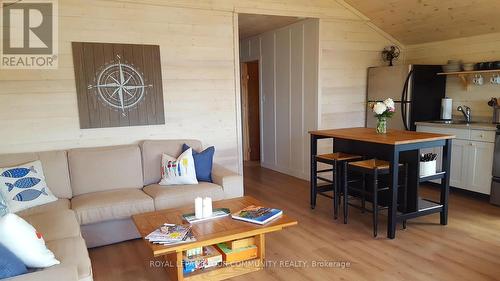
<point x="466" y="111"/>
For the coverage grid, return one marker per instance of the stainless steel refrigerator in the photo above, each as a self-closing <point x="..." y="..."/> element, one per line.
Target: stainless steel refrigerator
<point x="417" y="91"/>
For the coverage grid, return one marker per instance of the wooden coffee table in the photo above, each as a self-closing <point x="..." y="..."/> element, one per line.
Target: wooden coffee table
<point x="209" y="233"/>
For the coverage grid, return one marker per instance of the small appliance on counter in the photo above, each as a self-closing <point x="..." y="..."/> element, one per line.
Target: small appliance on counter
<point x="496" y="110"/>
<point x="446" y="108"/>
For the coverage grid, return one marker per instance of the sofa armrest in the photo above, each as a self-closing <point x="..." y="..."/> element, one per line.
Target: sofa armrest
<point x="231" y="182"/>
<point x="66" y="273"/>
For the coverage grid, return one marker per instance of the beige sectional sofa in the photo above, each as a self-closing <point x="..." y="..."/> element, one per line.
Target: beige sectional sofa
<point x="99" y="189"/>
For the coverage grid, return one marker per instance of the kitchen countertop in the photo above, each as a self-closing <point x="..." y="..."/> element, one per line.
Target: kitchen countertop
<point x="473" y="126"/>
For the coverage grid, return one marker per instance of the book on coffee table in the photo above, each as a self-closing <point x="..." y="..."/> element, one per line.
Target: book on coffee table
<point x="257" y="214"/>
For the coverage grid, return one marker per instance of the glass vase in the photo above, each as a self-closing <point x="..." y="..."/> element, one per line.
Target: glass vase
<point x="381" y="125"/>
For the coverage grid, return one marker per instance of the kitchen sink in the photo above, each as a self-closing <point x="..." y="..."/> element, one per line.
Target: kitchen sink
<point x="460" y="122"/>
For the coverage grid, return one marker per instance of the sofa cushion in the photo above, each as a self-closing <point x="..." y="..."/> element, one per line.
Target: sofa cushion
<point x="105" y="168"/>
<point x="60" y="204"/>
<point x="55" y="225"/>
<point x="66" y="273"/>
<point x="111" y="205"/>
<point x="166" y="197"/>
<point x="72" y="252"/>
<point x="151" y="155"/>
<point x="55" y="168"/>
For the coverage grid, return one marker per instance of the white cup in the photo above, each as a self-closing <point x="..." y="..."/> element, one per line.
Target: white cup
<point x="478" y="79"/>
<point x="495" y="79"/>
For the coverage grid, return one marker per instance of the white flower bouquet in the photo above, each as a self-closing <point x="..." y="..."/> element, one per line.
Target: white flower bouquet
<point x="383" y="110"/>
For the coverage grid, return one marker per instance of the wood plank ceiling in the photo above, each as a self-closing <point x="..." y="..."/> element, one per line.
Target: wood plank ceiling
<point x="251" y="25"/>
<point x="421" y="21"/>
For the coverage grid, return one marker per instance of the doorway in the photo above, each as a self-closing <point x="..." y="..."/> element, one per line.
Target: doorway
<point x="250" y="110"/>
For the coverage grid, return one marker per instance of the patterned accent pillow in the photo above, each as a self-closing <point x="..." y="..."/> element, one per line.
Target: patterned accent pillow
<point x="178" y="170"/>
<point x="4" y="209"/>
<point x="24" y="186"/>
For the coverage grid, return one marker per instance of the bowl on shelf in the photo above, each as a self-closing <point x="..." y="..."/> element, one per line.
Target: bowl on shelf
<point x="451" y="68"/>
<point x="468" y="66"/>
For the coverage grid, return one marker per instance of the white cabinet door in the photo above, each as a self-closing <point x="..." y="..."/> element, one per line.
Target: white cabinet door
<point x="480" y="166"/>
<point x="459" y="162"/>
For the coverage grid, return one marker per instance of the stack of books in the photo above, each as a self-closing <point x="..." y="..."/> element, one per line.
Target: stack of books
<point x="169" y="234"/>
<point x="238" y="250"/>
<point x="193" y="260"/>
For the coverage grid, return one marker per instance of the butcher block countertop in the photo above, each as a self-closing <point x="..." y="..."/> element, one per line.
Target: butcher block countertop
<point x="393" y="137"/>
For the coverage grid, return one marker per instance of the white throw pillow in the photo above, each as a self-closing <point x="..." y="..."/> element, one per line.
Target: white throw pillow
<point x="25" y="242"/>
<point x="24" y="186"/>
<point x="178" y="170"/>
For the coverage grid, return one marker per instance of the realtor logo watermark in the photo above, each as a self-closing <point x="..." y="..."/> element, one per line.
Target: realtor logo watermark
<point x="29" y="34"/>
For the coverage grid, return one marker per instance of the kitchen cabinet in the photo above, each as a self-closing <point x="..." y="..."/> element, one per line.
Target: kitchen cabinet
<point x="471" y="157"/>
<point x="481" y="164"/>
<point x="459" y="163"/>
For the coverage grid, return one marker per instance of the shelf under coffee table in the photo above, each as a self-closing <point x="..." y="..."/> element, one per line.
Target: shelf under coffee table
<point x="207" y="233"/>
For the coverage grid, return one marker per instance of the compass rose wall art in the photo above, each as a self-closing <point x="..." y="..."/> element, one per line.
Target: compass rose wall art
<point x="118" y="85"/>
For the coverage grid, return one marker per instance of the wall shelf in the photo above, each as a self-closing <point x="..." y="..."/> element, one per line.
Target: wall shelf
<point x="465" y="75"/>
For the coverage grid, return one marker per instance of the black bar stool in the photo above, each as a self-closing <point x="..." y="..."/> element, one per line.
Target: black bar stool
<point x="373" y="168"/>
<point x="336" y="160"/>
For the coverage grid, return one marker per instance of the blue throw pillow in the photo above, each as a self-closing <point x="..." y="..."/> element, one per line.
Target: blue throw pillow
<point x="202" y="163"/>
<point x="10" y="265"/>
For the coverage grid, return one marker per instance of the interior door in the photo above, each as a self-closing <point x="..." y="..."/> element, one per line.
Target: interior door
<point x="250" y="110"/>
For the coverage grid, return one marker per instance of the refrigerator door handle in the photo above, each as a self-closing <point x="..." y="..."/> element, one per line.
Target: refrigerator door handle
<point x="404" y="96"/>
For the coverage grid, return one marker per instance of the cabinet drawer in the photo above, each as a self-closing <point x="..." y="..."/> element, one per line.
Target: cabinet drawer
<point x="463" y="134"/>
<point x="479" y="135"/>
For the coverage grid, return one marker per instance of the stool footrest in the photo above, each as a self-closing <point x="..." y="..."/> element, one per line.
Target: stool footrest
<point x="325" y="179"/>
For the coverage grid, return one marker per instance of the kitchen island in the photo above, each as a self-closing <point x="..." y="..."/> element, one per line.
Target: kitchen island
<point x="396" y="147"/>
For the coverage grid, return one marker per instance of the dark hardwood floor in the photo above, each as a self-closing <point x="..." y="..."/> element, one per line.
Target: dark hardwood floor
<point x="468" y="248"/>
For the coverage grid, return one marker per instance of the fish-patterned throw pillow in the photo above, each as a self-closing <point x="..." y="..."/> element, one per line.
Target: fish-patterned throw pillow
<point x="4" y="209"/>
<point x="178" y="170"/>
<point x="24" y="187"/>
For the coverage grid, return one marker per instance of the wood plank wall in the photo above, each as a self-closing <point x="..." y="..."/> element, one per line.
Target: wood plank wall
<point x="470" y="49"/>
<point x="38" y="108"/>
<point x="348" y="48"/>
<point x="289" y="61"/>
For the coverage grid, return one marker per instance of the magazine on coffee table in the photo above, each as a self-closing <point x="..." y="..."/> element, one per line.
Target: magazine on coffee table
<point x="171" y="234"/>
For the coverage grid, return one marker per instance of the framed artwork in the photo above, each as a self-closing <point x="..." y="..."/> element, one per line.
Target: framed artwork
<point x="118" y="85"/>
